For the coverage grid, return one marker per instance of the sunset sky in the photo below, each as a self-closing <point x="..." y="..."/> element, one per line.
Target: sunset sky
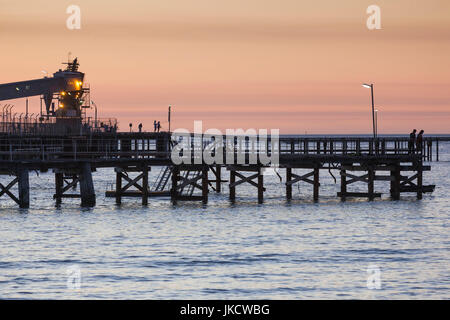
<point x="288" y="64"/>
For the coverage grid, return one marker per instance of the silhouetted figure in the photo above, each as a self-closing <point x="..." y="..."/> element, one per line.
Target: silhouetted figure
<point x="155" y="125"/>
<point x="140" y="127"/>
<point x="131" y="125"/>
<point x="159" y="126"/>
<point x="419" y="142"/>
<point x="412" y="141"/>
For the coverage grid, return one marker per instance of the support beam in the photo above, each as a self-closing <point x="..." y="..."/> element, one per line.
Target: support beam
<point x="260" y="186"/>
<point x="395" y="184"/>
<point x="175" y="178"/>
<point x="232" y="185"/>
<point x="316" y="185"/>
<point x="288" y="186"/>
<point x="145" y="185"/>
<point x="218" y="178"/>
<point x="205" y="184"/>
<point x="437" y="150"/>
<point x="24" y="188"/>
<point x="419" y="181"/>
<point x="370" y="181"/>
<point x="118" y="186"/>
<point x="87" y="186"/>
<point x="343" y="185"/>
<point x="59" y="183"/>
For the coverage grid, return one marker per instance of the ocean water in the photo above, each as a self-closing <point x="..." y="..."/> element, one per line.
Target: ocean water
<point x="277" y="250"/>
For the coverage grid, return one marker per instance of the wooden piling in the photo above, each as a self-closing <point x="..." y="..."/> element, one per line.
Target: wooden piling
<point x="232" y="187"/>
<point x="24" y="188"/>
<point x="205" y="185"/>
<point x="175" y="178"/>
<point x="371" y="178"/>
<point x="87" y="186"/>
<point x="316" y="184"/>
<point x="419" y="180"/>
<point x="437" y="150"/>
<point x="59" y="182"/>
<point x="343" y="185"/>
<point x="145" y="185"/>
<point x="218" y="178"/>
<point x="288" y="186"/>
<point x="260" y="186"/>
<point x="118" y="185"/>
<point x="395" y="189"/>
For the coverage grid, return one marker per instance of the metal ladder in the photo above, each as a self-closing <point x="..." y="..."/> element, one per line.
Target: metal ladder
<point x="162" y="179"/>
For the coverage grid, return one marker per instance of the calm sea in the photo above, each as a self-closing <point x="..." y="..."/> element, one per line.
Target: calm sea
<point x="277" y="250"/>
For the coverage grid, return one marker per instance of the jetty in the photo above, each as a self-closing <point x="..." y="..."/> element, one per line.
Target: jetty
<point x="64" y="140"/>
<point x="72" y="159"/>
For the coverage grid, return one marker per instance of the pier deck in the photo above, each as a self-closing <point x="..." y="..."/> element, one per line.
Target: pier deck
<point x="357" y="159"/>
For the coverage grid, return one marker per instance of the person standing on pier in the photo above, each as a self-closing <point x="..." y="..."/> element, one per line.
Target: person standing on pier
<point x="159" y="126"/>
<point x="154" y="125"/>
<point x="419" y="142"/>
<point x="140" y="127"/>
<point x="412" y="141"/>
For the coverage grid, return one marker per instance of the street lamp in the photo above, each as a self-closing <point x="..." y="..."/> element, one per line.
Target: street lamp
<point x="376" y="122"/>
<point x="370" y="86"/>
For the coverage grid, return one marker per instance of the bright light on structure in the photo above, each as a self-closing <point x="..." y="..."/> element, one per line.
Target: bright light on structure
<point x="368" y="86"/>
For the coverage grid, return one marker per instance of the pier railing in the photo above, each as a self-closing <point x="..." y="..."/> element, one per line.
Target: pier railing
<point x="103" y="145"/>
<point x="38" y="126"/>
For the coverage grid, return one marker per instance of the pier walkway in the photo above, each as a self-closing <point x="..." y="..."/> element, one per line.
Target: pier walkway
<point x="132" y="155"/>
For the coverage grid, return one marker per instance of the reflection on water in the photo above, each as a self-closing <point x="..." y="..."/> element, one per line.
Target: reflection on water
<point x="275" y="250"/>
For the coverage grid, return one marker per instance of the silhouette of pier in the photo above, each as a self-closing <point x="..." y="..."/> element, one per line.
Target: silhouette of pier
<point x="73" y="158"/>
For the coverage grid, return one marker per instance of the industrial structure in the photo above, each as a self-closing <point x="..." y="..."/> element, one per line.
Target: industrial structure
<point x="63" y="139"/>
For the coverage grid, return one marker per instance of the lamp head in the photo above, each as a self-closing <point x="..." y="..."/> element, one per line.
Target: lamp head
<point x="365" y="85"/>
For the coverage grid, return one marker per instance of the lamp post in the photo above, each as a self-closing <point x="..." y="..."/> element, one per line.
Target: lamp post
<point x="365" y="85"/>
<point x="168" y="116"/>
<point x="376" y="123"/>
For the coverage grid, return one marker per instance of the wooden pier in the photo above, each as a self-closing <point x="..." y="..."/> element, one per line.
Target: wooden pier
<point x="72" y="159"/>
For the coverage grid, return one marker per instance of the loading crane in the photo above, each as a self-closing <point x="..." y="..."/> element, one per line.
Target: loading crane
<point x="66" y="86"/>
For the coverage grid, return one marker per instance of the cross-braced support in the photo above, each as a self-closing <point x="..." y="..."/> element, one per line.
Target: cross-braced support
<point x="128" y="186"/>
<point x="414" y="183"/>
<point x="186" y="179"/>
<point x="350" y="178"/>
<point x="217" y="171"/>
<point x="292" y="178"/>
<point x="66" y="179"/>
<point x="258" y="175"/>
<point x="21" y="178"/>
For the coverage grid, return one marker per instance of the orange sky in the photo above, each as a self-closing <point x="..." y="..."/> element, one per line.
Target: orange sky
<point x="288" y="64"/>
